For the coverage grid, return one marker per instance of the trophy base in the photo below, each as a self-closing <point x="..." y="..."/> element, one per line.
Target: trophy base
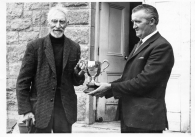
<point x="90" y="87"/>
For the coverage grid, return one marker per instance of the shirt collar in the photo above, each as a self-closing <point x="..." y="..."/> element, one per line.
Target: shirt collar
<point x="150" y="35"/>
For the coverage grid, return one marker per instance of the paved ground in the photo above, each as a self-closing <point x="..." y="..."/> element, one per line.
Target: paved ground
<point x="81" y="127"/>
<point x="102" y="127"/>
<point x="98" y="127"/>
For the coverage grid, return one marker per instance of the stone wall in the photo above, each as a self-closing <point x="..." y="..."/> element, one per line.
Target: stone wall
<point x="28" y="21"/>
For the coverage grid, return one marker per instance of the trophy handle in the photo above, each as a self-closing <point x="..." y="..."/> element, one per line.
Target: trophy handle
<point x="83" y="62"/>
<point x="108" y="64"/>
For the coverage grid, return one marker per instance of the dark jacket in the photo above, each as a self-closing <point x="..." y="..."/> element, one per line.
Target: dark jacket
<point x="142" y="87"/>
<point x="37" y="82"/>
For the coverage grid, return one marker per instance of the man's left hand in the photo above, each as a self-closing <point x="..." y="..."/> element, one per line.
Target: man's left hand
<point x="80" y="68"/>
<point x="101" y="90"/>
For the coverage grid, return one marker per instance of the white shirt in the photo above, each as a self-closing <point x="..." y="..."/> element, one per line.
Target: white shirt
<point x="144" y="39"/>
<point x="147" y="37"/>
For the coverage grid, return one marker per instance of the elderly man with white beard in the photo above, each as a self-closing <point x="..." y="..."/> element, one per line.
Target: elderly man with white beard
<point x="45" y="86"/>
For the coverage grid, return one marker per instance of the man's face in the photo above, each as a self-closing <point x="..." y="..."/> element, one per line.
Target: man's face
<point x="57" y="24"/>
<point x="142" y="26"/>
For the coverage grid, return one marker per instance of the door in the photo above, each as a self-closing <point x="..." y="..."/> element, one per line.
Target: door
<point x="113" y="46"/>
<point x="174" y="25"/>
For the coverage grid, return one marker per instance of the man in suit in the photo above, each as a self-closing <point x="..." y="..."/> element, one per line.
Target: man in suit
<point x="50" y="69"/>
<point x="141" y="89"/>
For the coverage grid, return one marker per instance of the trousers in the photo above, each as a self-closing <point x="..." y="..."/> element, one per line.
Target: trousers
<point x="126" y="129"/>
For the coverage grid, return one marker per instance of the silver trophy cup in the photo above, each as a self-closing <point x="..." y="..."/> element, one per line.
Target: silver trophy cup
<point x="93" y="69"/>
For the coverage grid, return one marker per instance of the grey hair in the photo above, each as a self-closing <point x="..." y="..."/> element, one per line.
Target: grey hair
<point x="55" y="9"/>
<point x="152" y="11"/>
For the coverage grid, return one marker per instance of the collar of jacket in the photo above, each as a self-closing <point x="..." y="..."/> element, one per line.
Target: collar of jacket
<point x="144" y="45"/>
<point x="50" y="55"/>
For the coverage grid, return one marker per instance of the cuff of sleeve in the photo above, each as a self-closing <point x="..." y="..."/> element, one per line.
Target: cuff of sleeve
<point x="27" y="112"/>
<point x="79" y="80"/>
<point x="116" y="93"/>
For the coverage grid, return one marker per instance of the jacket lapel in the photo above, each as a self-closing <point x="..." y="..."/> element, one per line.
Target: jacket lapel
<point x="144" y="45"/>
<point x="131" y="54"/>
<point x="49" y="53"/>
<point x="66" y="51"/>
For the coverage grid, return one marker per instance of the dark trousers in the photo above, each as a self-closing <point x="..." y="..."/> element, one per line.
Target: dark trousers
<point x="126" y="129"/>
<point x="58" y="122"/>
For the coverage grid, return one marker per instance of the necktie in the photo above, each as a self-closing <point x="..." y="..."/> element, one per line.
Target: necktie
<point x="138" y="45"/>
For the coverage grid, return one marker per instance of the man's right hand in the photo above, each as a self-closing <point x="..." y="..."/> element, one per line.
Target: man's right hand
<point x="27" y="118"/>
<point x="101" y="90"/>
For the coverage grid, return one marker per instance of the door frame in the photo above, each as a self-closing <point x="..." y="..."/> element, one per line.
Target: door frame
<point x="97" y="40"/>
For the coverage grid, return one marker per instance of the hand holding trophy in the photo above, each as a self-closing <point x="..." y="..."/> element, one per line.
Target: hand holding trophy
<point x="93" y="69"/>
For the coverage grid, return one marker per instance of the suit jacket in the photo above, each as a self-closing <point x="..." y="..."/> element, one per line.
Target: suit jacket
<point x="37" y="82"/>
<point x="142" y="87"/>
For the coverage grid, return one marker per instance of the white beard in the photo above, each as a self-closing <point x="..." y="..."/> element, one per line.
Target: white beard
<point x="57" y="34"/>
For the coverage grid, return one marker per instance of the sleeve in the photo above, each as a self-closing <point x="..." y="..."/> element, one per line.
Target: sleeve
<point x="78" y="80"/>
<point x="109" y="93"/>
<point x="157" y="68"/>
<point x="24" y="80"/>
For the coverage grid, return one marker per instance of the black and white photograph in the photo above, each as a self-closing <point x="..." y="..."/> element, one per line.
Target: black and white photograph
<point x="99" y="67"/>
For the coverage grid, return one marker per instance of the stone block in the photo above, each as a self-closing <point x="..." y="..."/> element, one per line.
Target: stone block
<point x="90" y="112"/>
<point x="43" y="32"/>
<point x="11" y="99"/>
<point x="36" y="5"/>
<point x="20" y="24"/>
<point x="36" y="29"/>
<point x="14" y="69"/>
<point x="45" y="5"/>
<point x="29" y="29"/>
<point x="81" y="106"/>
<point x="8" y="25"/>
<point x="15" y="52"/>
<point x="44" y="18"/>
<point x="28" y="36"/>
<point x="36" y="17"/>
<point x="27" y="6"/>
<point x="27" y="14"/>
<point x="85" y="52"/>
<point x="7" y="67"/>
<point x="13" y="115"/>
<point x="85" y="55"/>
<point x="52" y="4"/>
<point x="78" y="17"/>
<point x="14" y="10"/>
<point x="11" y="83"/>
<point x="79" y="35"/>
<point x="81" y="99"/>
<point x="40" y="17"/>
<point x="12" y="37"/>
<point x="75" y="4"/>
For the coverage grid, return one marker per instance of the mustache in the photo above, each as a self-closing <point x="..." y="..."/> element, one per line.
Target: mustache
<point x="58" y="30"/>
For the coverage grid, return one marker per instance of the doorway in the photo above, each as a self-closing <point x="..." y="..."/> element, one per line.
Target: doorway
<point x="116" y="40"/>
